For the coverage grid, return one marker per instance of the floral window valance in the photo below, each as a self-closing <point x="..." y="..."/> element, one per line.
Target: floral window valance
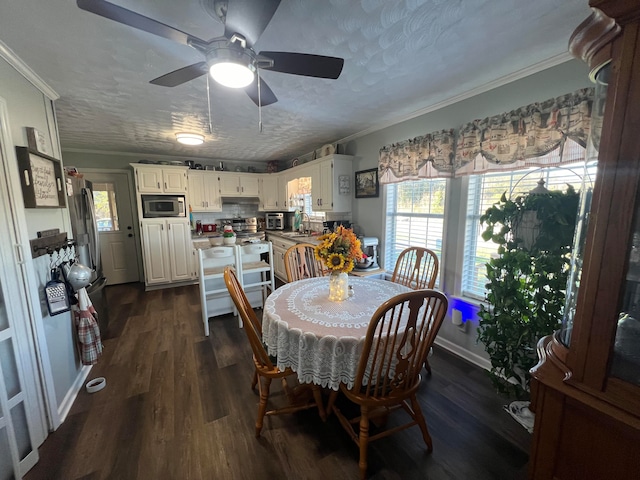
<point x="427" y="156"/>
<point x="508" y="141"/>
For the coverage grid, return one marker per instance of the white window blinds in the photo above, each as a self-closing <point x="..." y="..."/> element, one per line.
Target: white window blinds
<point x="414" y="217"/>
<point x="486" y="190"/>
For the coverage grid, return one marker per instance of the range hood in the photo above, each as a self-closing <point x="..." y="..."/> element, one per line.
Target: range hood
<point x="240" y="200"/>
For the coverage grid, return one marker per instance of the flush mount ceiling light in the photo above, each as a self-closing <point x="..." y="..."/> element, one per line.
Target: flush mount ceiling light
<point x="190" y="138"/>
<point x="230" y="64"/>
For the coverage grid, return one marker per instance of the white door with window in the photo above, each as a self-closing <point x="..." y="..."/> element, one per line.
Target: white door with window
<point x="114" y="211"/>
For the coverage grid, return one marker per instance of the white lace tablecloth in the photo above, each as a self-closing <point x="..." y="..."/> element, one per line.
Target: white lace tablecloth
<point x="321" y="340"/>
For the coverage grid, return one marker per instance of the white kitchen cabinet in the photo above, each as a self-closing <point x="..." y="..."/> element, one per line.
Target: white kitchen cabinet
<point x="288" y="189"/>
<point x="167" y="249"/>
<point x="326" y="173"/>
<point x="165" y="179"/>
<point x="280" y="246"/>
<point x="204" y="191"/>
<point x="239" y="184"/>
<point x="270" y="197"/>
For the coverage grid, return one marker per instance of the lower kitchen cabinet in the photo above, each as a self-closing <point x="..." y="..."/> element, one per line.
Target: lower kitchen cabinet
<point x="280" y="246"/>
<point x="168" y="250"/>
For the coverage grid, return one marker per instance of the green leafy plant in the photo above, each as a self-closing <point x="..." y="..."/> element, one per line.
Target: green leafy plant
<point x="526" y="281"/>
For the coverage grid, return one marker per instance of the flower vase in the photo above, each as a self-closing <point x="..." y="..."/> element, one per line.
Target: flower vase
<point x="338" y="286"/>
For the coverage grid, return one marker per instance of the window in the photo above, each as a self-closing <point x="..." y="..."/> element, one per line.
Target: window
<point x="486" y="189"/>
<point x="104" y="200"/>
<point x="415" y="217"/>
<point x="305" y="201"/>
<point x="308" y="209"/>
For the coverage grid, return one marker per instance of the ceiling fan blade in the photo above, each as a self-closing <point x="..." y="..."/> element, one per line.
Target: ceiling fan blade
<point x="267" y="96"/>
<point x="249" y="18"/>
<point x="135" y="20"/>
<point x="305" y="64"/>
<point x="182" y="75"/>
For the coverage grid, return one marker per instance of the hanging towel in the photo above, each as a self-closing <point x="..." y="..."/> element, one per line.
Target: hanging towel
<point x="89" y="340"/>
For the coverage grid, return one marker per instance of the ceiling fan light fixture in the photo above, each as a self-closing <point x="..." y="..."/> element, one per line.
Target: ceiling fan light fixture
<point x="190" y="138"/>
<point x="231" y="74"/>
<point x="231" y="66"/>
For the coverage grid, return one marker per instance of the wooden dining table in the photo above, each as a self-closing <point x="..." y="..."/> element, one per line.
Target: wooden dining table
<point x="319" y="339"/>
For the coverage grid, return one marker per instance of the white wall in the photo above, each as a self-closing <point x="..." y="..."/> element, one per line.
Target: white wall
<point x="28" y="106"/>
<point x="369" y="213"/>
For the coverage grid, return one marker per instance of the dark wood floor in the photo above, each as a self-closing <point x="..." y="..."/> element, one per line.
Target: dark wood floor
<point x="178" y="405"/>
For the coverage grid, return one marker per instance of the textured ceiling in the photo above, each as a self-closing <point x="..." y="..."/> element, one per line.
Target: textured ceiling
<point x="400" y="57"/>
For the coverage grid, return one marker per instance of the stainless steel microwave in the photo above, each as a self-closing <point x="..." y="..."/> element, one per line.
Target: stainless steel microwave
<point x="154" y="206"/>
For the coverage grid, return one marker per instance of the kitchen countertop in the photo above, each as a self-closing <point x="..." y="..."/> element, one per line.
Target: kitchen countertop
<point x="294" y="236"/>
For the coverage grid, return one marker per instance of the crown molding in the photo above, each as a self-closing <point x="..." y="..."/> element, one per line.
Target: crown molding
<point x="26" y="71"/>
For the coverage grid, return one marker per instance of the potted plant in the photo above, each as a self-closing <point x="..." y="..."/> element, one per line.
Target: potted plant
<point x="526" y="281"/>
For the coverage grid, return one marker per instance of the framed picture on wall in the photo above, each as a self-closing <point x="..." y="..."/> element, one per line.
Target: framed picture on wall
<point x="367" y="183"/>
<point x="41" y="179"/>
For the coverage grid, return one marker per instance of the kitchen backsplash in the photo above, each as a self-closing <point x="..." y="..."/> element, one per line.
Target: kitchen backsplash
<point x="229" y="210"/>
<point x="243" y="210"/>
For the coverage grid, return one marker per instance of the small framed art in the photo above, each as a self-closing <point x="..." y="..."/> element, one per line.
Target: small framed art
<point x="367" y="183"/>
<point x="37" y="141"/>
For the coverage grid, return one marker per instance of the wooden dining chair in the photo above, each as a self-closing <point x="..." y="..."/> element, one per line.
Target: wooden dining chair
<point x="265" y="370"/>
<point x="397" y="342"/>
<point x="300" y="262"/>
<point x="417" y="268"/>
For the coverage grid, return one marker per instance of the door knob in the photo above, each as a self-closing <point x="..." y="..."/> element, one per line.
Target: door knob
<point x="130" y="235"/>
<point x="129" y="227"/>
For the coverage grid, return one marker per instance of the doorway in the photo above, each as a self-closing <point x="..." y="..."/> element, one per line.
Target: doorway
<point x="114" y="205"/>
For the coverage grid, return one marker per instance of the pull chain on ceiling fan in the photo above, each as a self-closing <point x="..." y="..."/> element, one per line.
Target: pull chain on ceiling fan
<point x="244" y="22"/>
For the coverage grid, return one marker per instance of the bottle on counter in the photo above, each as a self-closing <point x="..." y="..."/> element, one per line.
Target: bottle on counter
<point x="191" y="222"/>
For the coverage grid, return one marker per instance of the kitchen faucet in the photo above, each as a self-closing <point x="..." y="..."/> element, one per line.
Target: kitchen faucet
<point x="308" y="229"/>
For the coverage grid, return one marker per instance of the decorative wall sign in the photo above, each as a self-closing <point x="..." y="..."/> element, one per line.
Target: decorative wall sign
<point x="344" y="185"/>
<point x="367" y="183"/>
<point x="41" y="179"/>
<point x="37" y="141"/>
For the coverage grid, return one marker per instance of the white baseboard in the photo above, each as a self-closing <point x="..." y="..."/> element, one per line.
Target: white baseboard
<point x="461" y="352"/>
<point x="72" y="393"/>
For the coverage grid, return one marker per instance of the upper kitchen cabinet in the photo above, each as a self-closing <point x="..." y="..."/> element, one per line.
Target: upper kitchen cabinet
<point x="156" y="179"/>
<point x="204" y="191"/>
<point x="239" y="184"/>
<point x="585" y="390"/>
<point x="287" y="188"/>
<point x="270" y="197"/>
<point x="326" y="173"/>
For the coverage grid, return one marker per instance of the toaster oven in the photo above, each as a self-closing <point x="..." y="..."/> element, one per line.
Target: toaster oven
<point x="275" y="221"/>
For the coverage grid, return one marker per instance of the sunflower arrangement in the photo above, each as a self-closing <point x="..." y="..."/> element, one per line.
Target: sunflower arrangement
<point x="339" y="250"/>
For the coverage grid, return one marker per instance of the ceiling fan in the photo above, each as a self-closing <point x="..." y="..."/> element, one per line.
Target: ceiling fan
<point x="230" y="56"/>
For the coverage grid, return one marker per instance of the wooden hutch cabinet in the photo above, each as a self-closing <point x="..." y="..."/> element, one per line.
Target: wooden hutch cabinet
<point x="586" y="386"/>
